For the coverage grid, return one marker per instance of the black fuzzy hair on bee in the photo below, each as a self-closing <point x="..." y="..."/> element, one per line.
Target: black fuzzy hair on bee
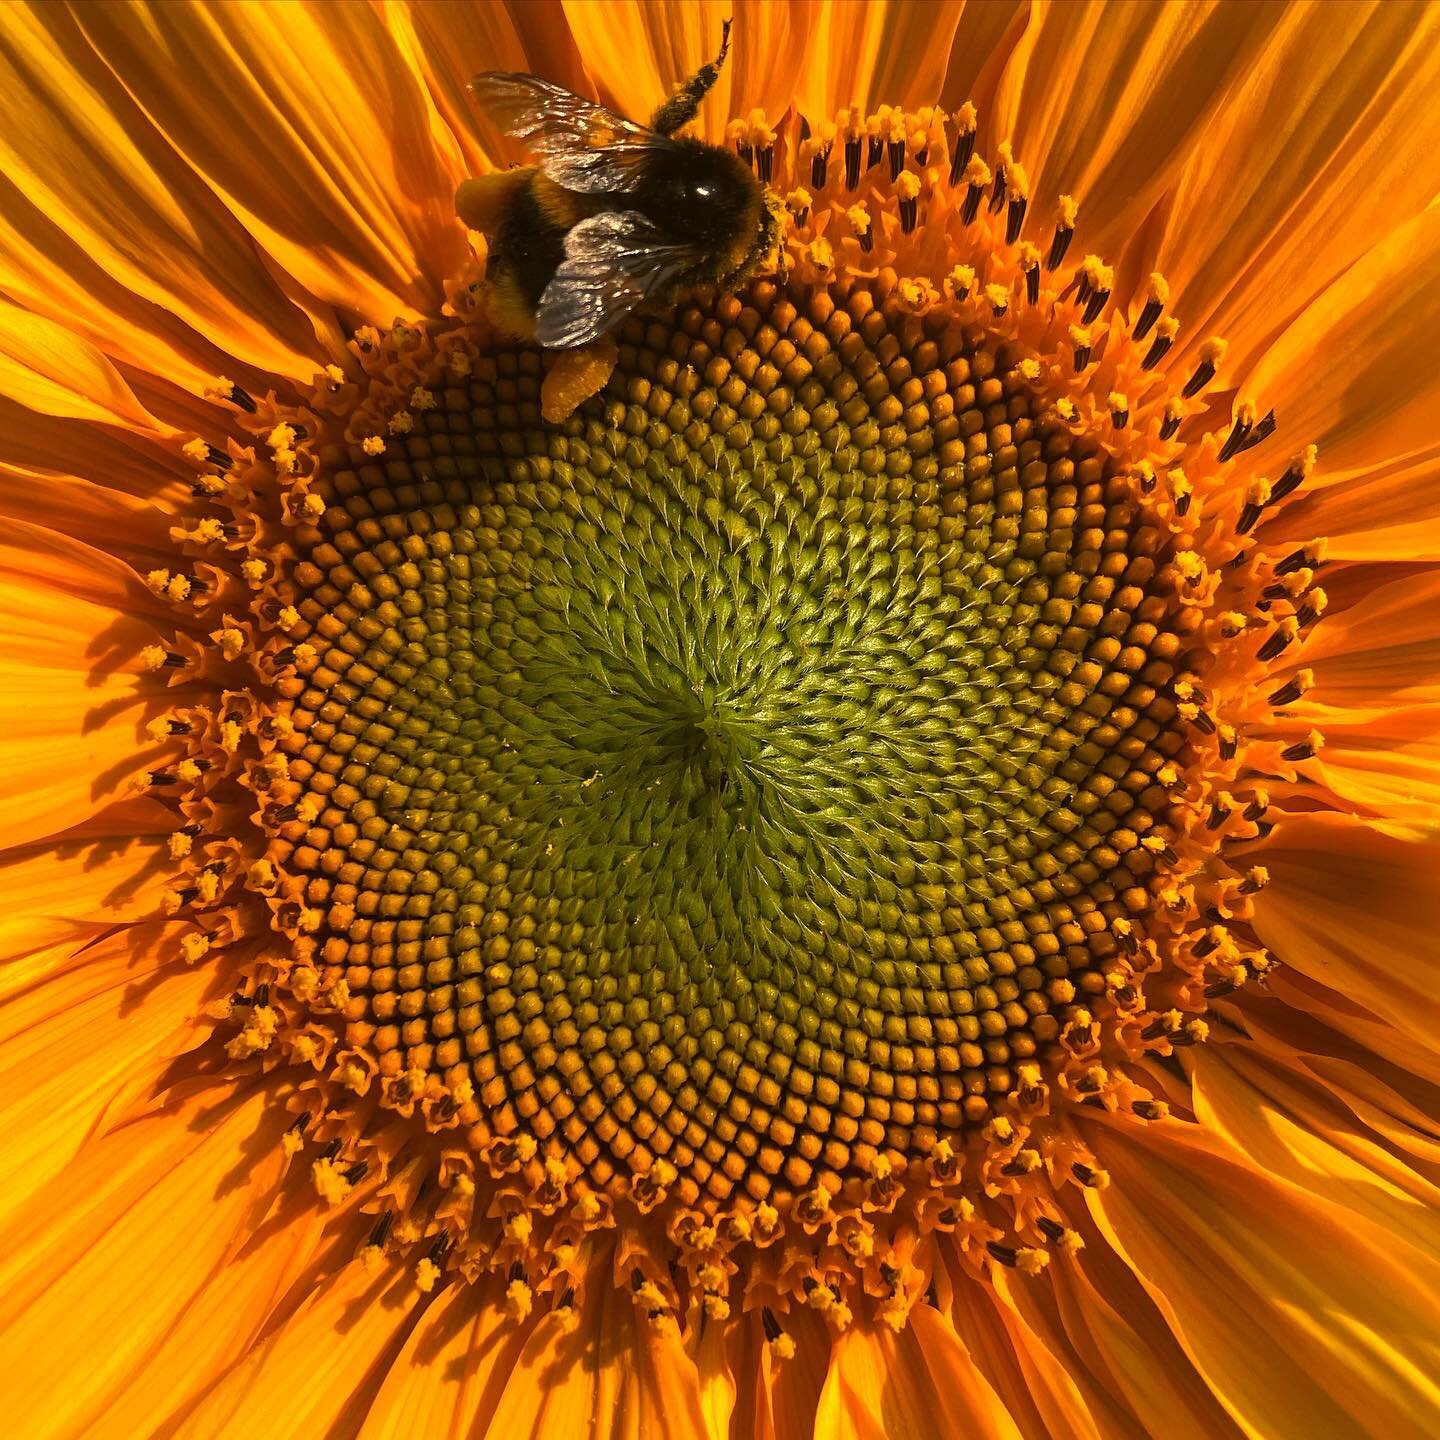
<point x="613" y="215"/>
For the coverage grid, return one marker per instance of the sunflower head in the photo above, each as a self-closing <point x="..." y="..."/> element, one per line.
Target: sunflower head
<point x="750" y="861"/>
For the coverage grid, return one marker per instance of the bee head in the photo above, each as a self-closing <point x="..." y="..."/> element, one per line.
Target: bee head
<point x="698" y="190"/>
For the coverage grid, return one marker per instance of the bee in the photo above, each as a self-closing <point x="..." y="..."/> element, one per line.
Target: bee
<point x="613" y="215"/>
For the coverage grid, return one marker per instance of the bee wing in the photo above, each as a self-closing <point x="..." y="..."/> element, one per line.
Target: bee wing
<point x="613" y="262"/>
<point x="581" y="145"/>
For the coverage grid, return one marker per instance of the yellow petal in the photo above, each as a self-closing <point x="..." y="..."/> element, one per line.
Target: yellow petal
<point x="110" y="870"/>
<point x="613" y="1375"/>
<point x="103" y="1260"/>
<point x="313" y="131"/>
<point x="317" y="1372"/>
<point x="873" y="55"/>
<point x="47" y="368"/>
<point x="1024" y="1356"/>
<point x="1386" y="512"/>
<point x="636" y="53"/>
<point x="922" y="1384"/>
<point x="1384" y="762"/>
<point x="1358" y="910"/>
<point x="1383" y="650"/>
<point x="1289" y="1125"/>
<point x="86" y="1035"/>
<point x="1357" y="372"/>
<point x="1126" y="1344"/>
<point x="446" y="47"/>
<point x="1296" y="1309"/>
<point x="1277" y="200"/>
<point x="452" y="1369"/>
<point x="82" y="155"/>
<point x="71" y="703"/>
<point x="1107" y="102"/>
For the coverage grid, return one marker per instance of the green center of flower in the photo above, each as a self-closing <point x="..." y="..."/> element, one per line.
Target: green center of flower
<point x="744" y="776"/>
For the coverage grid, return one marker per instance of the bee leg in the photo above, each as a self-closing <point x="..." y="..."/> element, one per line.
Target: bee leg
<point x="482" y="201"/>
<point x="680" y="109"/>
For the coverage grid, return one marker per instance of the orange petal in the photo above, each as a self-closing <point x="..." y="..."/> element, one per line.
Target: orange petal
<point x="1126" y="1344"/>
<point x="1394" y="1096"/>
<point x="1390" y="512"/>
<point x="452" y="1369"/>
<point x="1381" y="762"/>
<point x="1288" y="1124"/>
<point x="636" y="53"/>
<point x="110" y="870"/>
<point x="1383" y="650"/>
<point x="1107" y="102"/>
<point x="1025" y="1357"/>
<point x="1270" y="207"/>
<point x="1358" y="910"/>
<point x="103" y="1260"/>
<point x="448" y="47"/>
<point x="876" y="54"/>
<point x="1357" y="372"/>
<point x="922" y="1384"/>
<point x="48" y="368"/>
<point x="787" y="1392"/>
<point x="318" y="1372"/>
<point x="71" y="703"/>
<point x="93" y="165"/>
<point x="1298" y="1311"/>
<point x="85" y="1037"/>
<point x="338" y="176"/>
<point x="612" y="1376"/>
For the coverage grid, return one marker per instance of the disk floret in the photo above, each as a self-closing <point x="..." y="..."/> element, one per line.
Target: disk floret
<point x="715" y="838"/>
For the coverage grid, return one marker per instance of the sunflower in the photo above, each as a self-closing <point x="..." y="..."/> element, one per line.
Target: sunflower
<point x="869" y="871"/>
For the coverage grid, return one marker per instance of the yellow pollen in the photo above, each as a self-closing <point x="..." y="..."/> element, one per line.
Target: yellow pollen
<point x="427" y="1272"/>
<point x="373" y="445"/>
<point x="330" y="1183"/>
<point x="518" y="1300"/>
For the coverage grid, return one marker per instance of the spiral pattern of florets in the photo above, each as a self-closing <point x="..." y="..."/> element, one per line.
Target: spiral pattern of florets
<point x="743" y="775"/>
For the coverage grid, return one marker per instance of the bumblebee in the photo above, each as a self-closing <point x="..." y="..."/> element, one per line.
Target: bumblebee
<point x="614" y="215"/>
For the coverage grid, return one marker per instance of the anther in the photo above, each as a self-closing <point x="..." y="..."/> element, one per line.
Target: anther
<point x="1096" y="303"/>
<point x="1015" y="189"/>
<point x="896" y="151"/>
<point x="852" y="162"/>
<point x="1165" y="334"/>
<point x="1030" y="268"/>
<point x="977" y="174"/>
<point x="1279" y="638"/>
<point x="1262" y="431"/>
<point x="1211" y="354"/>
<point x="1153" y="308"/>
<point x="1239" y="433"/>
<point x="1080" y="338"/>
<point x="1257" y="497"/>
<point x="1312" y="609"/>
<point x="907" y="192"/>
<point x="965" y="121"/>
<point x="1295" y="475"/>
<point x="1119" y="410"/>
<point x="997" y="191"/>
<point x="1064" y="232"/>
<point x="1174" y="414"/>
<point x="1303" y="749"/>
<point x="1308" y="556"/>
<point x="1292" y="689"/>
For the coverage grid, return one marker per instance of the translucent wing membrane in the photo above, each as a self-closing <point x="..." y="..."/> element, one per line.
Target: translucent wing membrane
<point x="613" y="262"/>
<point x="581" y="145"/>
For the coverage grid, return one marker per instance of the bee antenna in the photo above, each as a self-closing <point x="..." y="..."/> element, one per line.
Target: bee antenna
<point x="680" y="109"/>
